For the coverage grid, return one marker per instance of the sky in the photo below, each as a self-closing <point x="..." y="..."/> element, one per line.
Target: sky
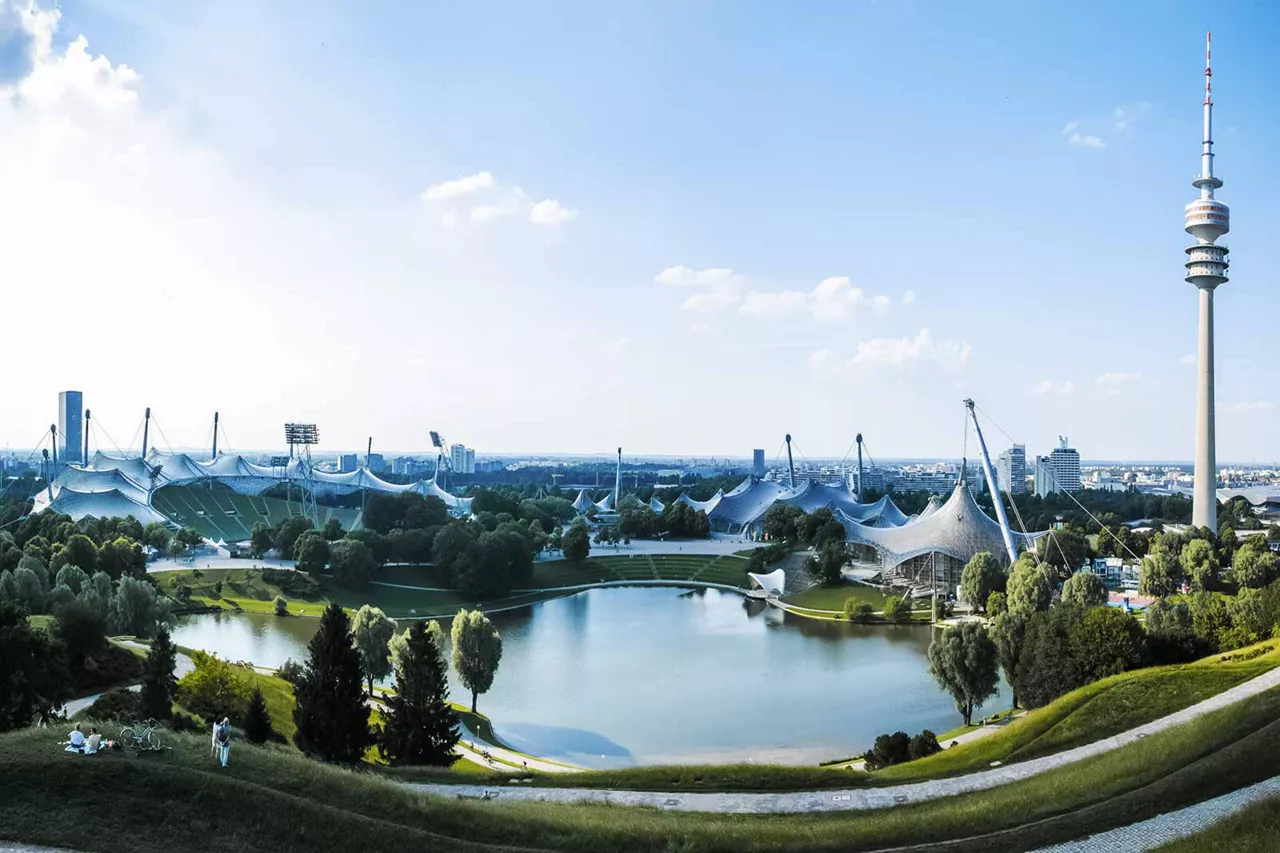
<point x="682" y="228"/>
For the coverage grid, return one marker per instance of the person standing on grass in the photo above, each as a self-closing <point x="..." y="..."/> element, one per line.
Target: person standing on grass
<point x="222" y="736"/>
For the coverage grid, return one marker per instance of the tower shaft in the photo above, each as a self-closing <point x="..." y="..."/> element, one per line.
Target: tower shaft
<point x="1204" y="511"/>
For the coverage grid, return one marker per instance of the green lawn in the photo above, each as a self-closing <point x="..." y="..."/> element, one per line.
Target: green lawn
<point x="281" y="801"/>
<point x="832" y="598"/>
<point x="1255" y="829"/>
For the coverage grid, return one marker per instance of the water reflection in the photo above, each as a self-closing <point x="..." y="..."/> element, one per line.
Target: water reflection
<point x="612" y="677"/>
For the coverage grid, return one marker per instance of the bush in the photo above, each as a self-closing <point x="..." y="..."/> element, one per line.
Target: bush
<point x="857" y="611"/>
<point x="214" y="688"/>
<point x="118" y="704"/>
<point x="257" y="722"/>
<point x="898" y="748"/>
<point x="291" y="671"/>
<point x="281" y="606"/>
<point x="292" y="584"/>
<point x="897" y="608"/>
<point x="923" y="745"/>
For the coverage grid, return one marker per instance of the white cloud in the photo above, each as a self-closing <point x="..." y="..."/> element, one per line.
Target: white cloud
<point x="1117" y="378"/>
<point x="823" y="359"/>
<point x="489" y="212"/>
<point x="721" y="287"/>
<point x="458" y="187"/>
<point x="833" y="299"/>
<point x="717" y="298"/>
<point x="909" y="298"/>
<point x="449" y="219"/>
<point x="1074" y="137"/>
<point x="700" y="328"/>
<point x="1250" y="406"/>
<point x="1125" y="117"/>
<point x="551" y="212"/>
<point x="682" y="276"/>
<point x="1044" y="386"/>
<point x="1068" y="387"/>
<point x="1187" y="359"/>
<point x="894" y="354"/>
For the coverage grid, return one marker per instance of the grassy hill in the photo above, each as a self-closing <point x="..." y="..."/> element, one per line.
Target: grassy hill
<point x="272" y="799"/>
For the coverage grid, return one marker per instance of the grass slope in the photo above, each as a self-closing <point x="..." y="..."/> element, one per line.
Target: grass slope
<point x="1255" y="829"/>
<point x="269" y="799"/>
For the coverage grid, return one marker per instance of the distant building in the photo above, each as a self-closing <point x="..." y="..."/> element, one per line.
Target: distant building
<point x="348" y="462"/>
<point x="1011" y="470"/>
<point x="757" y="462"/>
<point x="70" y="427"/>
<point x="1059" y="471"/>
<point x="377" y="463"/>
<point x="939" y="479"/>
<point x="463" y="459"/>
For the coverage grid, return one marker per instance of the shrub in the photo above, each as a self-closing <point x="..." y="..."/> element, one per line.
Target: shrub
<point x="857" y="611"/>
<point x="923" y="745"/>
<point x="888" y="750"/>
<point x="897" y="608"/>
<point x="118" y="704"/>
<point x="291" y="671"/>
<point x="214" y="688"/>
<point x="281" y="606"/>
<point x="257" y="722"/>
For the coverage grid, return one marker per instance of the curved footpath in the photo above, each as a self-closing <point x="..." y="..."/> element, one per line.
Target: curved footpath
<point x="1171" y="826"/>
<point x="858" y="798"/>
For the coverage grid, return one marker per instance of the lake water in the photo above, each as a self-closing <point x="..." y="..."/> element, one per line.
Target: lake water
<point x="644" y="675"/>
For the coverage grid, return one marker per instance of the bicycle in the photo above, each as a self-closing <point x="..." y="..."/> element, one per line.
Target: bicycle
<point x="142" y="736"/>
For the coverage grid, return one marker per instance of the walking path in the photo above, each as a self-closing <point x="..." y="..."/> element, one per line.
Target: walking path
<point x="863" y="798"/>
<point x="1171" y="826"/>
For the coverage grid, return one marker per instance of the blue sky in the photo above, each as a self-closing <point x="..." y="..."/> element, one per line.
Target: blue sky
<point x="865" y="212"/>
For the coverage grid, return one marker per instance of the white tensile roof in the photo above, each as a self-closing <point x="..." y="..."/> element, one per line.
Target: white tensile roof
<point x="773" y="583"/>
<point x="958" y="528"/>
<point x="111" y="486"/>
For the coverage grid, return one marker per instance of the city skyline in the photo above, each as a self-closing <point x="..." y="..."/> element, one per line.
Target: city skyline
<point x="727" y="268"/>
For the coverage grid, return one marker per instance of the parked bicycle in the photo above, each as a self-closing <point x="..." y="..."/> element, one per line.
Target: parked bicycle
<point x="143" y="736"/>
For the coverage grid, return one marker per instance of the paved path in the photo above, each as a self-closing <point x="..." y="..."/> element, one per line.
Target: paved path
<point x="865" y="798"/>
<point x="1171" y="826"/>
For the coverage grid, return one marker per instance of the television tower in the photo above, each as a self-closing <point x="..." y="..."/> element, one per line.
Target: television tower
<point x="1207" y="219"/>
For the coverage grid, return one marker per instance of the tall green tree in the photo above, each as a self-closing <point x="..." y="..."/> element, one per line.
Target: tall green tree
<point x="1085" y="589"/>
<point x="257" y="719"/>
<point x="1254" y="565"/>
<point x="331" y="715"/>
<point x="827" y="565"/>
<point x="421" y="727"/>
<point x="963" y="661"/>
<point x="1161" y="570"/>
<point x="1199" y="565"/>
<point x="373" y="630"/>
<point x="576" y="542"/>
<point x="1009" y="633"/>
<point x="34" y="680"/>
<point x="1066" y="550"/>
<point x="311" y="553"/>
<point x="158" y="683"/>
<point x="1030" y="587"/>
<point x="982" y="576"/>
<point x="261" y="540"/>
<point x="352" y="562"/>
<point x="477" y="651"/>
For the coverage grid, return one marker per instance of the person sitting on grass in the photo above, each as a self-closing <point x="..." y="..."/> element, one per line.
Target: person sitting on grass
<point x="75" y="740"/>
<point x="93" y="742"/>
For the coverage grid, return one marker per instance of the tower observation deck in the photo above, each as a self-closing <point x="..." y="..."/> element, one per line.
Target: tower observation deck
<point x="1207" y="219"/>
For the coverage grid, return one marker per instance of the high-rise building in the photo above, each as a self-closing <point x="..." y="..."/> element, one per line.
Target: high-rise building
<point x="1011" y="470"/>
<point x="1059" y="471"/>
<point x="70" y="427"/>
<point x="377" y="463"/>
<point x="757" y="462"/>
<point x="348" y="462"/>
<point x="462" y="459"/>
<point x="1207" y="219"/>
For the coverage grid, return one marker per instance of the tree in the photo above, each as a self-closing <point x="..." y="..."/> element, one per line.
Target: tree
<point x="1084" y="588"/>
<point x="28" y="590"/>
<point x="1105" y="641"/>
<point x="287" y="534"/>
<point x="1255" y="566"/>
<point x="333" y="531"/>
<point x="331" y="715"/>
<point x="828" y="563"/>
<point x="73" y="577"/>
<point x="257" y="719"/>
<point x="311" y="553"/>
<point x="137" y="608"/>
<point x="281" y="605"/>
<point x="1161" y="571"/>
<point x="982" y="576"/>
<point x="963" y="662"/>
<point x="1009" y="633"/>
<point x="997" y="603"/>
<point x="923" y="745"/>
<point x="34" y="680"/>
<point x="82" y="630"/>
<point x="1030" y="587"/>
<point x="1047" y="668"/>
<point x="783" y="522"/>
<point x="158" y="684"/>
<point x="214" y="688"/>
<point x="372" y="631"/>
<point x="1199" y="565"/>
<point x="888" y="750"/>
<point x="78" y="551"/>
<point x="1066" y="550"/>
<point x="156" y="535"/>
<point x="121" y="557"/>
<point x="421" y="727"/>
<point x="856" y="610"/>
<point x="261" y="540"/>
<point x="576" y="543"/>
<point x="897" y="608"/>
<point x="1171" y="635"/>
<point x="477" y="651"/>
<point x="352" y="563"/>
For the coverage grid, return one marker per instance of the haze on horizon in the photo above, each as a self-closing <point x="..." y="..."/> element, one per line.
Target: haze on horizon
<point x="680" y="229"/>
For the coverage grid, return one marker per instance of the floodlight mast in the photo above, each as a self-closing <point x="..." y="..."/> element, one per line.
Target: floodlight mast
<point x="990" y="473"/>
<point x="305" y="435"/>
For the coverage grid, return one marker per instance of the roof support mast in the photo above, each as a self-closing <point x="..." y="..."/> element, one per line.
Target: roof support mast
<point x="617" y="488"/>
<point x="84" y="460"/>
<point x="215" y="437"/>
<point x="859" y="467"/>
<point x="791" y="465"/>
<point x="146" y="431"/>
<point x="993" y="486"/>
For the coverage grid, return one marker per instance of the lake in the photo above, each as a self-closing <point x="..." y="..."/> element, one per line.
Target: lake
<point x="650" y="675"/>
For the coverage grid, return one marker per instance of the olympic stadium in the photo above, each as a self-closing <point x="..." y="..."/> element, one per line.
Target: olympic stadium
<point x="221" y="497"/>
